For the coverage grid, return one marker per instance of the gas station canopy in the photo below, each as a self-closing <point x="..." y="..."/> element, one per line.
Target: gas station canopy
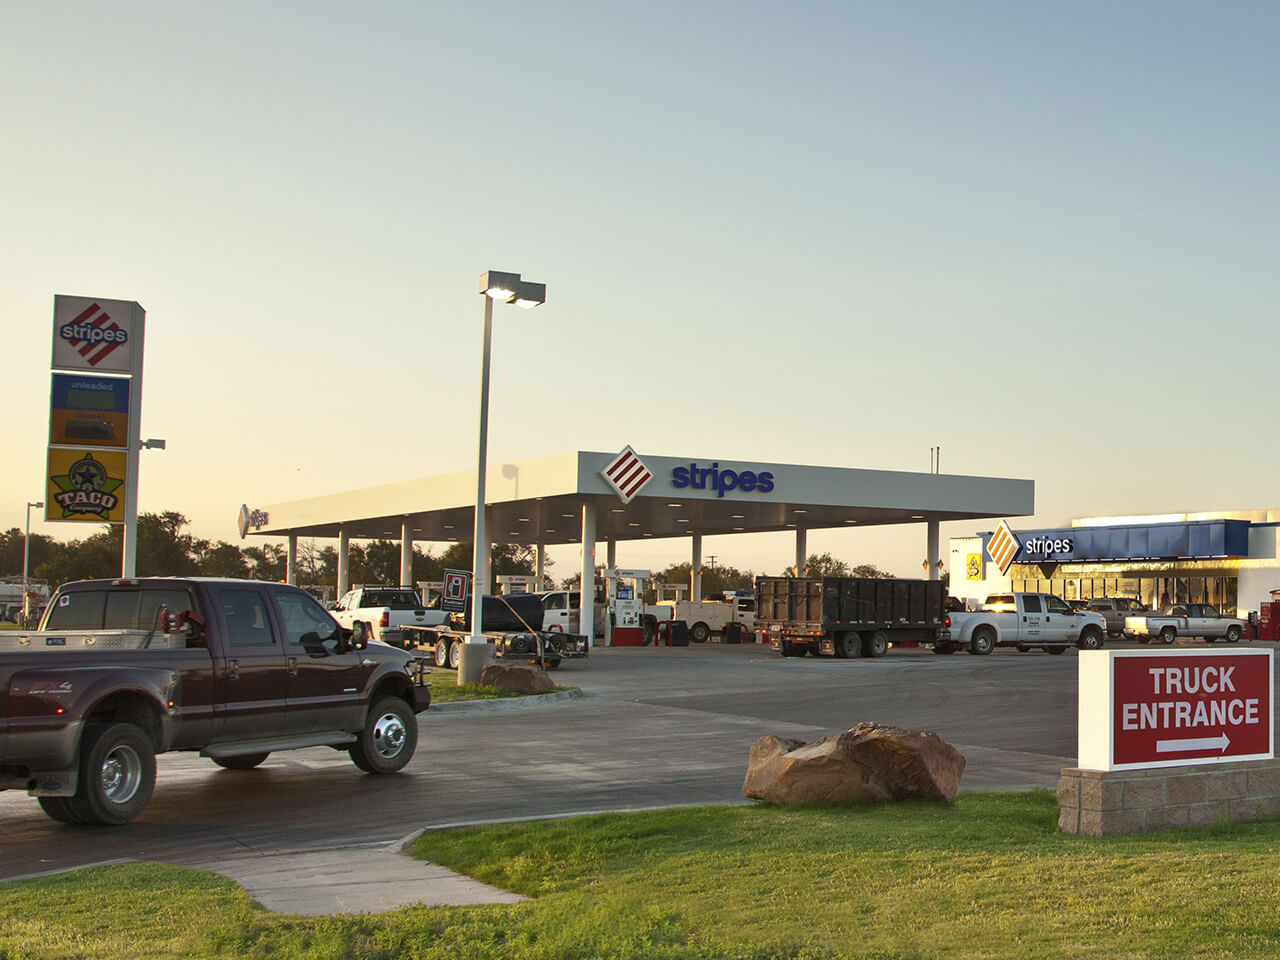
<point x="542" y="501"/>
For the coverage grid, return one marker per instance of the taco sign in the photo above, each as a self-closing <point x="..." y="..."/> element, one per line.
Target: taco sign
<point x="86" y="485"/>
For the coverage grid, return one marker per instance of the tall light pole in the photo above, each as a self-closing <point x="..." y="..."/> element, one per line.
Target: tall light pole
<point x="509" y="288"/>
<point x="26" y="554"/>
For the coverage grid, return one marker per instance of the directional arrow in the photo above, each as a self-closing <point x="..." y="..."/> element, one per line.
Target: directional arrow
<point x="1219" y="742"/>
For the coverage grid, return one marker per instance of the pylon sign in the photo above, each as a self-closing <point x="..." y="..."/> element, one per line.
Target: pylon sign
<point x="87" y="412"/>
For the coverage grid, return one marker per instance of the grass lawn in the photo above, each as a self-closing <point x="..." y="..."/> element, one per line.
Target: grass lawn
<point x="445" y="689"/>
<point x="987" y="877"/>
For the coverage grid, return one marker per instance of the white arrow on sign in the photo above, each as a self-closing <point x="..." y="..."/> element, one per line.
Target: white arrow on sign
<point x="1203" y="743"/>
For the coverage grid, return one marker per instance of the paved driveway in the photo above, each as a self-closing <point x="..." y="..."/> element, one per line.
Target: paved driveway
<point x="655" y="727"/>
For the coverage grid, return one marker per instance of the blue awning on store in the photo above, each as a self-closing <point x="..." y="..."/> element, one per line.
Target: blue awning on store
<point x="1199" y="539"/>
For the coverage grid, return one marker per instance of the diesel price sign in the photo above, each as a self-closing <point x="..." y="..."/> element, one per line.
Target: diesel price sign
<point x="1156" y="709"/>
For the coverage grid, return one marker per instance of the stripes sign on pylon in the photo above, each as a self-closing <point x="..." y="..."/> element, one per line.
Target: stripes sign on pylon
<point x="1003" y="547"/>
<point x="92" y="350"/>
<point x="627" y="474"/>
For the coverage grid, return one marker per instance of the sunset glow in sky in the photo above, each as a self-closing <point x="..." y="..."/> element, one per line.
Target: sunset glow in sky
<point x="1043" y="237"/>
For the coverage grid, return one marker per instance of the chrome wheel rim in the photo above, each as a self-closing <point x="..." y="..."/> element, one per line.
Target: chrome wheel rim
<point x="388" y="736"/>
<point x="121" y="774"/>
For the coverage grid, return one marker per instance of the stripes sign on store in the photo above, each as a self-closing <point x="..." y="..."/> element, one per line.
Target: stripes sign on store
<point x="1003" y="547"/>
<point x="627" y="474"/>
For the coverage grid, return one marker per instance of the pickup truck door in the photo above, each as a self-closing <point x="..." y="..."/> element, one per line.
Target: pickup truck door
<point x="250" y="685"/>
<point x="325" y="689"/>
<point x="560" y="613"/>
<point x="1203" y="621"/>
<point x="1031" y="623"/>
<point x="1059" y="620"/>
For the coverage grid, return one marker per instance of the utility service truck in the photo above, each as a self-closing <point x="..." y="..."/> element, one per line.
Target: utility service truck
<point x="1023" y="621"/>
<point x="848" y="616"/>
<point x="705" y="617"/>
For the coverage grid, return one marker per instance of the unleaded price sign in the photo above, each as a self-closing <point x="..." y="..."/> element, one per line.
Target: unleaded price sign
<point x="1143" y="708"/>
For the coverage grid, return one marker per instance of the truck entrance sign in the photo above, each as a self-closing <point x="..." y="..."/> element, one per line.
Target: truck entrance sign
<point x="1154" y="709"/>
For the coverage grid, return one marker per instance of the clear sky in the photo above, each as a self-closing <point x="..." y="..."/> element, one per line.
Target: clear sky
<point x="1042" y="236"/>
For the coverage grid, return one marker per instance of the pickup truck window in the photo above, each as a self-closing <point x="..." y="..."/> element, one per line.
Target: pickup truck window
<point x="300" y="615"/>
<point x="1030" y="604"/>
<point x="245" y="617"/>
<point x="114" y="609"/>
<point x="395" y="599"/>
<point x="1056" y="605"/>
<point x="555" y="601"/>
<point x="136" y="609"/>
<point x="1209" y="611"/>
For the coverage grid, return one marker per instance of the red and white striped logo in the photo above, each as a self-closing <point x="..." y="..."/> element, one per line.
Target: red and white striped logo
<point x="627" y="474"/>
<point x="1003" y="547"/>
<point x="94" y="335"/>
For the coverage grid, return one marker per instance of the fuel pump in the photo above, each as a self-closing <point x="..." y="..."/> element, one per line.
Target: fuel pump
<point x="625" y="603"/>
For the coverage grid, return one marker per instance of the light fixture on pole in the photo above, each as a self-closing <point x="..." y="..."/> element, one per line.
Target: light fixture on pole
<point x="509" y="288"/>
<point x="26" y="553"/>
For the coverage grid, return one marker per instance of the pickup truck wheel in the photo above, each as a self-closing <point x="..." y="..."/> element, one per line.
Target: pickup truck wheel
<point x="455" y="654"/>
<point x="1090" y="639"/>
<point x="1168" y="635"/>
<point x="699" y="633"/>
<point x="59" y="808"/>
<point x="117" y="774"/>
<point x="1021" y="647"/>
<point x="389" y="737"/>
<point x="1233" y="634"/>
<point x="944" y="648"/>
<point x="983" y="642"/>
<point x="875" y="644"/>
<point x="246" y="762"/>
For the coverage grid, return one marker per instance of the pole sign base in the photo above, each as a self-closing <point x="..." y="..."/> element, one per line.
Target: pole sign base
<point x="1153" y="708"/>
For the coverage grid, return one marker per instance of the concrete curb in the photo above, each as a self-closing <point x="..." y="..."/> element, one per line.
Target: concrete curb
<point x="508" y="703"/>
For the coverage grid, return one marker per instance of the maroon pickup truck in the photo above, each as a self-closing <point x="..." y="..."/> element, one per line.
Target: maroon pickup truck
<point x="122" y="670"/>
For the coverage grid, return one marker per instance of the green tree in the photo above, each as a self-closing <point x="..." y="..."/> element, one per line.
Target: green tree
<point x="164" y="550"/>
<point x="95" y="557"/>
<point x="266" y="562"/>
<point x="870" y="570"/>
<point x="42" y="549"/>
<point x="222" y="559"/>
<point x="825" y="565"/>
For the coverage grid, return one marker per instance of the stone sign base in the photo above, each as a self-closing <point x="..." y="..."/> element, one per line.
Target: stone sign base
<point x="1113" y="802"/>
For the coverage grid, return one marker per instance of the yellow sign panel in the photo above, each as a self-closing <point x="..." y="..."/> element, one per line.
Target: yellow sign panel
<point x="973" y="566"/>
<point x="86" y="485"/>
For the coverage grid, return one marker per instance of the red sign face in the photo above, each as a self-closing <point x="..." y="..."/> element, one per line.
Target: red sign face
<point x="1191" y="708"/>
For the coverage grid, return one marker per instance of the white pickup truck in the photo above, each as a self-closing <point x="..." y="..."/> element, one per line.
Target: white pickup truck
<point x="385" y="610"/>
<point x="1184" y="620"/>
<point x="1023" y="620"/>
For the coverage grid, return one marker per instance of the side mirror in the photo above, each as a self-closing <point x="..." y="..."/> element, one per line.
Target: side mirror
<point x="312" y="643"/>
<point x="359" y="635"/>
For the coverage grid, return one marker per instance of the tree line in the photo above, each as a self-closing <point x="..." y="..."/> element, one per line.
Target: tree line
<point x="166" y="549"/>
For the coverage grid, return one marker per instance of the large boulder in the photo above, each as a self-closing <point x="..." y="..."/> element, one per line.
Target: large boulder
<point x="520" y="677"/>
<point x="871" y="763"/>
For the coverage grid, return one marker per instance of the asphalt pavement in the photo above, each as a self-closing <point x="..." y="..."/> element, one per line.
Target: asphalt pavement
<point x="651" y="728"/>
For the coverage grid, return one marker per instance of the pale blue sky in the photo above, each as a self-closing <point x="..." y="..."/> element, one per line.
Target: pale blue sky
<point x="1041" y="235"/>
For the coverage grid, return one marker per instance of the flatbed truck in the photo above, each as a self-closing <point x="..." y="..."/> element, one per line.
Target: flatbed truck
<point x="848" y="617"/>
